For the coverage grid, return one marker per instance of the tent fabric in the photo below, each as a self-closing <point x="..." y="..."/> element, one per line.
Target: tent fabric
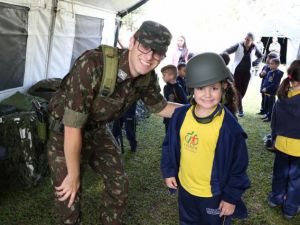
<point x="46" y="50"/>
<point x="64" y="35"/>
<point x="13" y="42"/>
<point x="88" y="34"/>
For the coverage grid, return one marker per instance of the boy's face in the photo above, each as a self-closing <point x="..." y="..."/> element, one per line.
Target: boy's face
<point x="273" y="65"/>
<point x="169" y="76"/>
<point x="182" y="71"/>
<point x="268" y="60"/>
<point x="209" y="96"/>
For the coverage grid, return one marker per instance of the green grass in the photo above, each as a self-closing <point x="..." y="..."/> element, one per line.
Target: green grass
<point x="149" y="201"/>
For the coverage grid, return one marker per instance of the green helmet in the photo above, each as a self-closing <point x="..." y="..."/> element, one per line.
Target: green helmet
<point x="206" y="69"/>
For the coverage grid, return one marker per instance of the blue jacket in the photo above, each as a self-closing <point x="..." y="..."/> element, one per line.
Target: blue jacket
<point x="174" y="93"/>
<point x="286" y="118"/>
<point x="181" y="82"/>
<point x="266" y="68"/>
<point x="272" y="81"/>
<point x="229" y="177"/>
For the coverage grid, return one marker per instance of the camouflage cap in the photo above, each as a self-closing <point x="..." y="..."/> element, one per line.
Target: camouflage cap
<point x="154" y="35"/>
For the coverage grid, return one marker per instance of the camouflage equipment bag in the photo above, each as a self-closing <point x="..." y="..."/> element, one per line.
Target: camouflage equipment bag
<point x="25" y="160"/>
<point x="45" y="88"/>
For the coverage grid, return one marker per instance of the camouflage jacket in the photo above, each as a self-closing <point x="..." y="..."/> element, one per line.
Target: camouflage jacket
<point x="78" y="102"/>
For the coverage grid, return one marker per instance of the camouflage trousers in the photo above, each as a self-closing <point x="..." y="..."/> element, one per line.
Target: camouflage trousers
<point x="103" y="154"/>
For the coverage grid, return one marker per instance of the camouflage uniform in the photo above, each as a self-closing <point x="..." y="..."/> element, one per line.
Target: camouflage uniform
<point x="78" y="104"/>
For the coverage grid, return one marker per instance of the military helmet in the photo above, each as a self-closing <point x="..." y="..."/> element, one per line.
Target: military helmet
<point x="206" y="69"/>
<point x="154" y="35"/>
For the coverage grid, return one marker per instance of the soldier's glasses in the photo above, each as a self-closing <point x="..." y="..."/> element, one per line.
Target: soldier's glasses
<point x="146" y="49"/>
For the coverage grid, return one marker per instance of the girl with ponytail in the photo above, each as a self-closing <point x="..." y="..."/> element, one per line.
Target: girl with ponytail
<point x="285" y="126"/>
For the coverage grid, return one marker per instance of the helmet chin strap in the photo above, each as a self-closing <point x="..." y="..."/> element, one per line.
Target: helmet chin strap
<point x="208" y="119"/>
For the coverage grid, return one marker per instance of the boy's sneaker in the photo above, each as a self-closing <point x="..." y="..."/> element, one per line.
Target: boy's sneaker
<point x="272" y="204"/>
<point x="289" y="217"/>
<point x="260" y="113"/>
<point x="241" y="114"/>
<point x="264" y="117"/>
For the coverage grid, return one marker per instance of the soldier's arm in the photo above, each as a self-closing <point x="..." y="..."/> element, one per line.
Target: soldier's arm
<point x="169" y="109"/>
<point x="72" y="148"/>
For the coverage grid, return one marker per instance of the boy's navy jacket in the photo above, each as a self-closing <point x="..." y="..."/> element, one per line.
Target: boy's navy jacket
<point x="266" y="68"/>
<point x="286" y="118"/>
<point x="177" y="91"/>
<point x="272" y="81"/>
<point x="229" y="177"/>
<point x="181" y="82"/>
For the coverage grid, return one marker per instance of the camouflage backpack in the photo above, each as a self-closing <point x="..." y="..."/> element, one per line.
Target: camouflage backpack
<point x="25" y="160"/>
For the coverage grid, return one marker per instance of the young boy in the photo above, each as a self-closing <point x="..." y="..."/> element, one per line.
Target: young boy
<point x="270" y="86"/>
<point x="173" y="92"/>
<point x="263" y="75"/>
<point x="181" y="67"/>
<point x="204" y="153"/>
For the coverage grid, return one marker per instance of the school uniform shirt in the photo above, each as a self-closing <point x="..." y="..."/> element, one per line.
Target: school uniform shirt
<point x="230" y="160"/>
<point x="285" y="124"/>
<point x="198" y="143"/>
<point x="272" y="81"/>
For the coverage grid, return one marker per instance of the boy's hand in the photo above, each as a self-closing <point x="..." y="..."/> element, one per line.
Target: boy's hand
<point x="171" y="182"/>
<point x="226" y="209"/>
<point x="262" y="74"/>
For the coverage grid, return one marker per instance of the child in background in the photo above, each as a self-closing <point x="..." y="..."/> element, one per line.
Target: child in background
<point x="173" y="92"/>
<point x="263" y="75"/>
<point x="286" y="133"/>
<point x="230" y="96"/>
<point x="181" y="68"/>
<point x="270" y="86"/>
<point x="204" y="152"/>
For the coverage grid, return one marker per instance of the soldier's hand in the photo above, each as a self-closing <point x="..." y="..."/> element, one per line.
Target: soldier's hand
<point x="171" y="182"/>
<point x="68" y="189"/>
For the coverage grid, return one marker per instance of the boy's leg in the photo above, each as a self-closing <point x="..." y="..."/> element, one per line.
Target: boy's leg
<point x="195" y="210"/>
<point x="106" y="160"/>
<point x="130" y="132"/>
<point x="58" y="170"/>
<point x="189" y="213"/>
<point x="271" y="101"/>
<point x="280" y="179"/>
<point x="292" y="200"/>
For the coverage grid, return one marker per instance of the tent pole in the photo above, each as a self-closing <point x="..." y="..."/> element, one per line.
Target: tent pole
<point x="51" y="34"/>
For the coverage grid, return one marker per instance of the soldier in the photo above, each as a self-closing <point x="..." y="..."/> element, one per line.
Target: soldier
<point x="79" y="114"/>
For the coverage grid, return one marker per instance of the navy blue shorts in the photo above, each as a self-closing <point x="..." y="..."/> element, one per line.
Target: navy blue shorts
<point x="195" y="210"/>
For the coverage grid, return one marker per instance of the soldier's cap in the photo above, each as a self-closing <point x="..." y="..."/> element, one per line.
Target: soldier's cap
<point x="169" y="67"/>
<point x="154" y="35"/>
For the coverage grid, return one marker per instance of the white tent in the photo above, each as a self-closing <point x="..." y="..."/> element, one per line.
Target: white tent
<point x="285" y="29"/>
<point x="41" y="38"/>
